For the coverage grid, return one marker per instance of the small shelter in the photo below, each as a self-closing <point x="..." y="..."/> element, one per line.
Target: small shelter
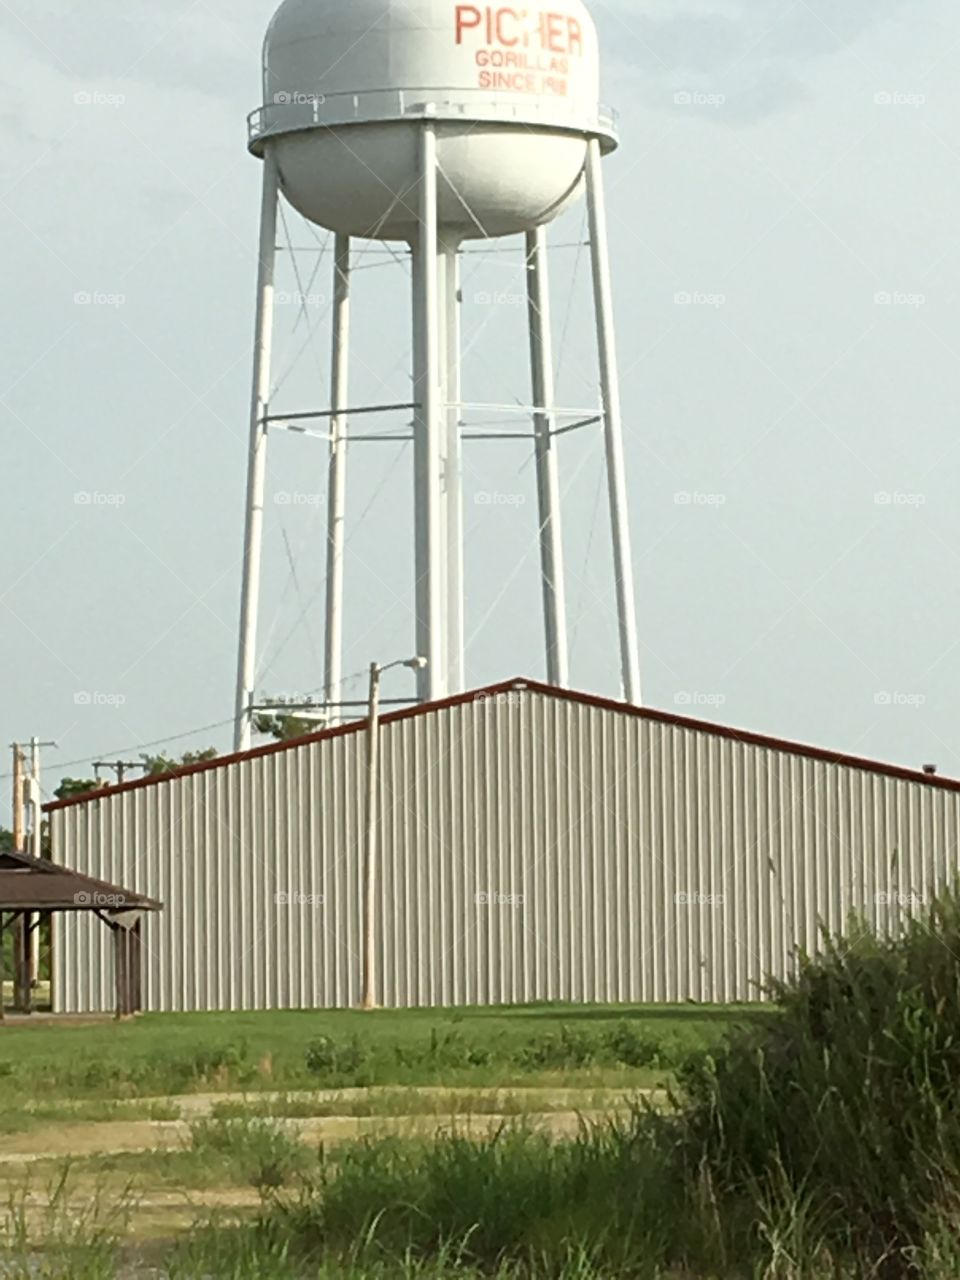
<point x="33" y="888"/>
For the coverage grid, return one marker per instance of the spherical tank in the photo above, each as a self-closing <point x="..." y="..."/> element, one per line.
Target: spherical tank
<point x="513" y="90"/>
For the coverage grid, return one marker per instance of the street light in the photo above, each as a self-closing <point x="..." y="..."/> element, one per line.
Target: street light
<point x="369" y="1000"/>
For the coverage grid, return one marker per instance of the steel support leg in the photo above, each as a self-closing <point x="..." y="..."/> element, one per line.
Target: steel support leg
<point x="548" y="482"/>
<point x="428" y="426"/>
<point x="337" y="480"/>
<point x="257" y="467"/>
<point x="452" y="467"/>
<point x="613" y="427"/>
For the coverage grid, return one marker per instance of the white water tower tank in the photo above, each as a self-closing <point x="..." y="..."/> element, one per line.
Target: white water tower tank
<point x="514" y="90"/>
<point x="435" y="122"/>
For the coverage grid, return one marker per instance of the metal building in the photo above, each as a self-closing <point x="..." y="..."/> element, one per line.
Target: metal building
<point x="536" y="844"/>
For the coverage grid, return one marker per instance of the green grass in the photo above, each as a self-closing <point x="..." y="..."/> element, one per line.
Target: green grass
<point x="170" y="1054"/>
<point x="817" y="1141"/>
<point x="65" y="1239"/>
<point x="415" y="1102"/>
<point x="23" y="1116"/>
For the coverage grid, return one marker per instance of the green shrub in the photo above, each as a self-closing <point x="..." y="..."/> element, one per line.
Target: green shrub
<point x="565" y="1050"/>
<point x="852" y="1096"/>
<point x="517" y="1198"/>
<point x="632" y="1048"/>
<point x="325" y="1057"/>
<point x="256" y="1149"/>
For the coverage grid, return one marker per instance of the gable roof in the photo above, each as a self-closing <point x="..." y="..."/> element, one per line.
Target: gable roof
<point x="34" y="884"/>
<point x="547" y="690"/>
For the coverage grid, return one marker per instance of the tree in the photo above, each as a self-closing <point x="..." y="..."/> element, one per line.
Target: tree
<point x="157" y="766"/>
<point x="283" y="726"/>
<point x="70" y="787"/>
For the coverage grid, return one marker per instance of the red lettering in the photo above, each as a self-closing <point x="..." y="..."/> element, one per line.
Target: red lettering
<point x="509" y="42"/>
<point x="469" y="18"/>
<point x="553" y="34"/>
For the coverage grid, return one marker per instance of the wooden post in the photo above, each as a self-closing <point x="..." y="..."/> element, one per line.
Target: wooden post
<point x="18" y="823"/>
<point x="120" y="968"/>
<point x="136" y="948"/>
<point x="22" y="963"/>
<point x="20" y="922"/>
<point x="2" y="975"/>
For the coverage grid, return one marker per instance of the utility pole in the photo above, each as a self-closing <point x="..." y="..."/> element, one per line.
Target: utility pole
<point x="31" y="954"/>
<point x="36" y="797"/>
<point x="368" y="998"/>
<point x="17" y="797"/>
<point x="18" y="843"/>
<point x="119" y="767"/>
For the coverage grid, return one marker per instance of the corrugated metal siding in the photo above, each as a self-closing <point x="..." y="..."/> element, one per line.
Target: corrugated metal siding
<point x="622" y="860"/>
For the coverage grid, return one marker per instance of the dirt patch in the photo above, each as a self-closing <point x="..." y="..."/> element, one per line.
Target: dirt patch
<point x="104" y="1137"/>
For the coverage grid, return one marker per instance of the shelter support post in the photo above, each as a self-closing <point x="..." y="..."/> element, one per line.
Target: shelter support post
<point x="23" y="943"/>
<point x="127" y="947"/>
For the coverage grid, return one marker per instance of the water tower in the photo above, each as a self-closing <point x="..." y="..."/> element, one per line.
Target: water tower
<point x="433" y="123"/>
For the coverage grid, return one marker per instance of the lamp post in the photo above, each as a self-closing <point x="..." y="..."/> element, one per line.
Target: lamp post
<point x="369" y="999"/>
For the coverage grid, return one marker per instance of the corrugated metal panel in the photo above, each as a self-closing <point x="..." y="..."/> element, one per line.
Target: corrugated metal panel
<point x="533" y="848"/>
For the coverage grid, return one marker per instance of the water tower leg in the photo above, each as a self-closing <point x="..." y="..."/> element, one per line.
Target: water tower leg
<point x="428" y="425"/>
<point x="337" y="480"/>
<point x="256" y="478"/>
<point x="613" y="426"/>
<point x="452" y="465"/>
<point x="548" y="479"/>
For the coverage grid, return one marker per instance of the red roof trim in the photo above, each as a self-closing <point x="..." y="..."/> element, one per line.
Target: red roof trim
<point x="563" y="695"/>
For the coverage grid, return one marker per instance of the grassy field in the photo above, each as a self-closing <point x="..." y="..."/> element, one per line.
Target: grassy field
<point x="184" y="1141"/>
<point x="159" y="1055"/>
<point x="818" y="1139"/>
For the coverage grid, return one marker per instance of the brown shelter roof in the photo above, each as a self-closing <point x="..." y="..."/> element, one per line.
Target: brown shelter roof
<point x="34" y="884"/>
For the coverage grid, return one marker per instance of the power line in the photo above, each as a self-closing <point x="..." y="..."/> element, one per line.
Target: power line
<point x="141" y="746"/>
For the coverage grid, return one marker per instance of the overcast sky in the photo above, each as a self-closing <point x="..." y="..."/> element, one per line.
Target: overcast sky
<point x="784" y="225"/>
